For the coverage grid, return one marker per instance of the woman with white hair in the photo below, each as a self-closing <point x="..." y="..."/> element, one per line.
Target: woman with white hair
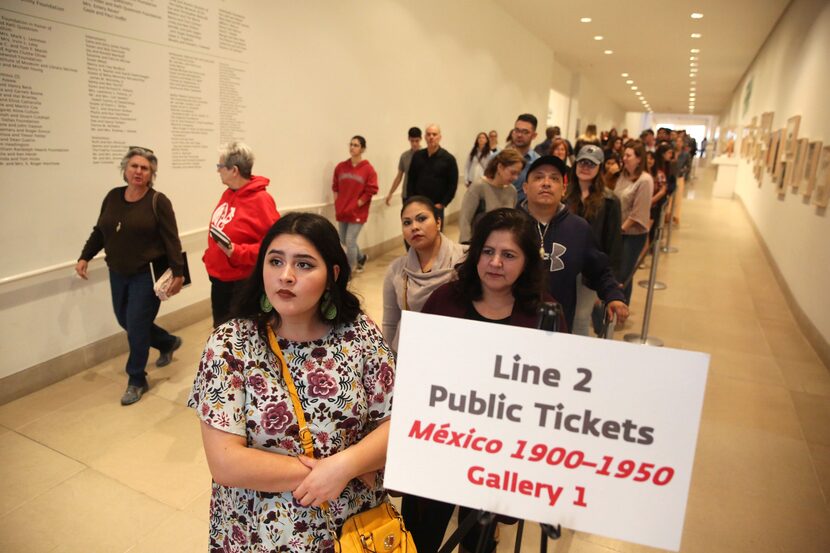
<point x="136" y="226"/>
<point x="243" y="215"/>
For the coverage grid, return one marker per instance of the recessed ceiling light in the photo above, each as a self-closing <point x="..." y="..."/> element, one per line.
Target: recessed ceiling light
<point x="623" y="74"/>
<point x="694" y="82"/>
<point x="696" y="35"/>
<point x="695" y="50"/>
<point x="692" y="94"/>
<point x="585" y="20"/>
<point x="598" y="37"/>
<point x="697" y="15"/>
<point x="607" y="52"/>
<point x="692" y="88"/>
<point x="693" y="64"/>
<point x="629" y="81"/>
<point x="692" y="58"/>
<point x="638" y="93"/>
<point x="633" y="88"/>
<point x="691" y="74"/>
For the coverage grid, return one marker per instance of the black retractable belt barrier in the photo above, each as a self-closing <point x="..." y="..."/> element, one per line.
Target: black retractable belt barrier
<point x="549" y="315"/>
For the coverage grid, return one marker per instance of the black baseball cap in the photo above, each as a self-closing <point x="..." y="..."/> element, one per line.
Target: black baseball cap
<point x="548" y="160"/>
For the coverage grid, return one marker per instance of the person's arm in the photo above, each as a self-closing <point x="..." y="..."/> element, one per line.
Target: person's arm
<point x="469" y="204"/>
<point x="391" y="309"/>
<point x="244" y="254"/>
<point x="414" y="174"/>
<point x="172" y="245"/>
<point x="93" y="245"/>
<point x="468" y="171"/>
<point x="451" y="184"/>
<point x="395" y="184"/>
<point x="599" y="277"/>
<point x="330" y="475"/>
<point x="235" y="465"/>
<point x="369" y="189"/>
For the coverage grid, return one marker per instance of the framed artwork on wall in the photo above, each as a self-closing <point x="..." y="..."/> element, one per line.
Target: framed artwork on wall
<point x="797" y="174"/>
<point x="772" y="151"/>
<point x="766" y="125"/>
<point x="781" y="159"/>
<point x="821" y="194"/>
<point x="791" y="136"/>
<point x="810" y="166"/>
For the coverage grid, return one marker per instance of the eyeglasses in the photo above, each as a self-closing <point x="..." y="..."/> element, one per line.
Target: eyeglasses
<point x="522" y="131"/>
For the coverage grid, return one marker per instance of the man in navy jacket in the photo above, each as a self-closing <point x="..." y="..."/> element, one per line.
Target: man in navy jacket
<point x="567" y="243"/>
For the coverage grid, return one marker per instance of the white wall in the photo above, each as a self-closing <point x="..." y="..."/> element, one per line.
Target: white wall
<point x="313" y="74"/>
<point x="790" y="77"/>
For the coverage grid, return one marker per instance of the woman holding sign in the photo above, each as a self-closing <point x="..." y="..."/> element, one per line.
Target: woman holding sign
<point x="244" y="213"/>
<point x="298" y="342"/>
<point x="501" y="281"/>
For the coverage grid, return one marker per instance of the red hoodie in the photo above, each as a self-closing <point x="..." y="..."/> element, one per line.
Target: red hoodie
<point x="352" y="184"/>
<point x="245" y="215"/>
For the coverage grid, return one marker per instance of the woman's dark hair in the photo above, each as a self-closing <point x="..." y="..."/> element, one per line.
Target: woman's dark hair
<point x="588" y="208"/>
<point x="323" y="236"/>
<point x="528" y="288"/>
<point x="660" y="162"/>
<point x="482" y="152"/>
<point x="653" y="170"/>
<point x="420" y="200"/>
<point x="361" y="140"/>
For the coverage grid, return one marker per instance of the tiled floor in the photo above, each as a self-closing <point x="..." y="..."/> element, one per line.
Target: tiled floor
<point x="80" y="473"/>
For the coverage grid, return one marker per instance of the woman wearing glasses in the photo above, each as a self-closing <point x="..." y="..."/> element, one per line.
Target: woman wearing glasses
<point x="136" y="226"/>
<point x="244" y="214"/>
<point x="587" y="197"/>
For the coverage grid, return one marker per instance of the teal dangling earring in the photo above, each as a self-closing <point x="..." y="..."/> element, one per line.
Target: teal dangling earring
<point x="327" y="308"/>
<point x="265" y="304"/>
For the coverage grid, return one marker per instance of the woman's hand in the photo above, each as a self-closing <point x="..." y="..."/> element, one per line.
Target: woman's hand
<point x="81" y="267"/>
<point x="617" y="308"/>
<point x="326" y="481"/>
<point x="226" y="251"/>
<point x="175" y="286"/>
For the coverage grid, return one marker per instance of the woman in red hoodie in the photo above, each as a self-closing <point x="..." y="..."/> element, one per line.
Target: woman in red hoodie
<point x="354" y="184"/>
<point x="244" y="214"/>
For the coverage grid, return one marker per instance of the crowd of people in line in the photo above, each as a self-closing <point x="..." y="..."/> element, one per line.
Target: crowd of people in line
<point x="551" y="223"/>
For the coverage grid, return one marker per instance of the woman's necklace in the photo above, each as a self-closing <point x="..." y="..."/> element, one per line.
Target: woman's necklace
<point x="543" y="231"/>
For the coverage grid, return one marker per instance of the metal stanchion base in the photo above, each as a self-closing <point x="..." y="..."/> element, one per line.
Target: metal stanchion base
<point x="670" y="249"/>
<point x="657" y="285"/>
<point x="649" y="341"/>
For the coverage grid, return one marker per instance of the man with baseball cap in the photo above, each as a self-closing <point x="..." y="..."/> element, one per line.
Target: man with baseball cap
<point x="567" y="243"/>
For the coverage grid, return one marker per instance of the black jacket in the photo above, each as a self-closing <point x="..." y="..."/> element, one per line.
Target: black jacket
<point x="571" y="249"/>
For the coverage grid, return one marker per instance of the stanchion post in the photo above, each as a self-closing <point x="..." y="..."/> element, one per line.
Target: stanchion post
<point x="668" y="248"/>
<point x="643" y="337"/>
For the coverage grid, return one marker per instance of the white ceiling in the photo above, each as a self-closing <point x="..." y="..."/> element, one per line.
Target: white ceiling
<point x="651" y="42"/>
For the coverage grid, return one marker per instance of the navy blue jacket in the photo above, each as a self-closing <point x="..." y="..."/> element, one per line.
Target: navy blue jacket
<point x="570" y="249"/>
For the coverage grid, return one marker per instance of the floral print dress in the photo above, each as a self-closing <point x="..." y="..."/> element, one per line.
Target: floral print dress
<point x="344" y="381"/>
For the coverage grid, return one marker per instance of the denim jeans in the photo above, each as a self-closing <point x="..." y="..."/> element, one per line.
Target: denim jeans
<point x="348" y="236"/>
<point x="632" y="247"/>
<point x="136" y="306"/>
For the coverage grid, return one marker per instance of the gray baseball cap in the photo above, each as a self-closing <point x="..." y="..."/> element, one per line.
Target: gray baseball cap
<point x="591" y="153"/>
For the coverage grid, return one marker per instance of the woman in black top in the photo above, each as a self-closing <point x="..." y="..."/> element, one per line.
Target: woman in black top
<point x="587" y="197"/>
<point x="136" y="226"/>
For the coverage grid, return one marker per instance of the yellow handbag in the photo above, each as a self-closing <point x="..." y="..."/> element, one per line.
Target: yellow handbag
<point x="376" y="530"/>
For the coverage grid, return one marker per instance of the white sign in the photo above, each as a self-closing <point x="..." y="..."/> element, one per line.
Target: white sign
<point x="596" y="435"/>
